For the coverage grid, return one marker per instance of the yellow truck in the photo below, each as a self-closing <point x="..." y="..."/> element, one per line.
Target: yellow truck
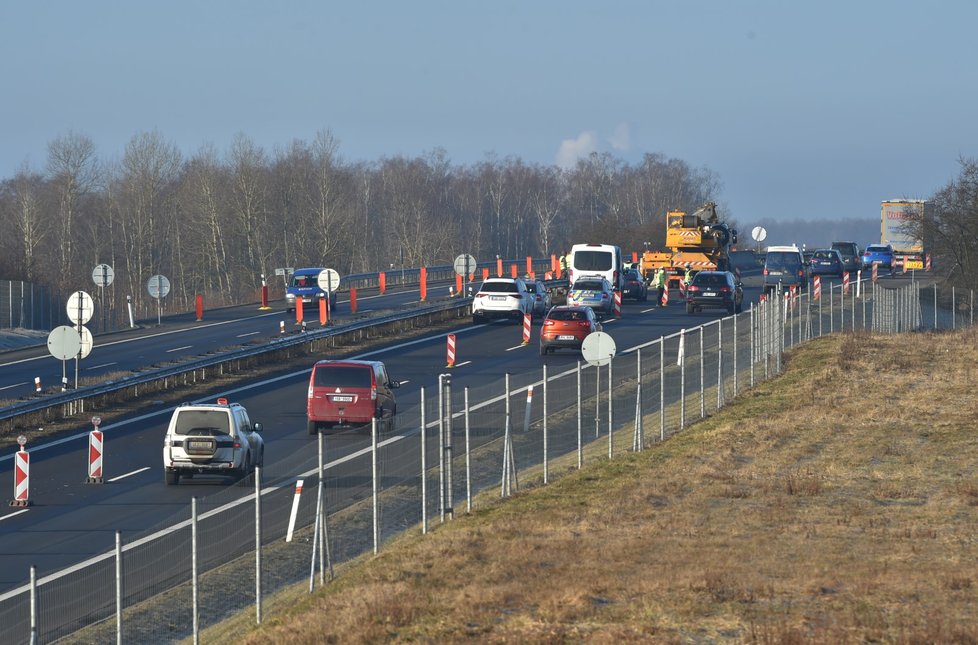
<point x="699" y="241"/>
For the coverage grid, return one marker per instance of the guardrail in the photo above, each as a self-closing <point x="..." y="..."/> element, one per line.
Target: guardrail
<point x="74" y="401"/>
<point x="441" y="272"/>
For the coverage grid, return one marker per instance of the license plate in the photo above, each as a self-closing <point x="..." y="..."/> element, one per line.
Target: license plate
<point x="914" y="264"/>
<point x="198" y="444"/>
<point x="709" y="293"/>
<point x="497" y="298"/>
<point x="566" y="337"/>
<point x="343" y="399"/>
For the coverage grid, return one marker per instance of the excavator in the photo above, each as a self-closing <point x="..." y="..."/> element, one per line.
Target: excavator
<point x="698" y="240"/>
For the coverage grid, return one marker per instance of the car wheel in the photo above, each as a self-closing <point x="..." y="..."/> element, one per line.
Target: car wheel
<point x="311" y="427"/>
<point x="172" y="477"/>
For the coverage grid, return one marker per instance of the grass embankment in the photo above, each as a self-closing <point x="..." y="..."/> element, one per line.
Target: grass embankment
<point x="835" y="504"/>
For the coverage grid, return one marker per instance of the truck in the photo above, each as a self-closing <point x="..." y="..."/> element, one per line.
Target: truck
<point x="699" y="241"/>
<point x="902" y="224"/>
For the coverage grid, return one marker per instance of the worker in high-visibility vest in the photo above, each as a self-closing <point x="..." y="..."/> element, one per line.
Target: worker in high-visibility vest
<point x="660" y="284"/>
<point x="563" y="265"/>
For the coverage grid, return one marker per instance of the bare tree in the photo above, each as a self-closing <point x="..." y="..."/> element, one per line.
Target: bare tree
<point x="73" y="172"/>
<point x="22" y="196"/>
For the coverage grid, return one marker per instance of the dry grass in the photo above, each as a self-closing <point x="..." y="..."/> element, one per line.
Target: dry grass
<point x="837" y="504"/>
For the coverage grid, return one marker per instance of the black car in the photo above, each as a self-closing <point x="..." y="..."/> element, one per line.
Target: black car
<point x="634" y="286"/>
<point x="714" y="289"/>
<point x="828" y="262"/>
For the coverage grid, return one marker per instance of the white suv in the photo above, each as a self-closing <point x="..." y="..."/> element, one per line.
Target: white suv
<point x="501" y="298"/>
<point x="211" y="439"/>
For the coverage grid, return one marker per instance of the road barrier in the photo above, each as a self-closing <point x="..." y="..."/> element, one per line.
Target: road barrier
<point x="617" y="304"/>
<point x="816" y="287"/>
<point x="527" y="321"/>
<point x="94" y="457"/>
<point x="353" y="300"/>
<point x="665" y="296"/>
<point x="450" y="351"/>
<point x="37" y="384"/>
<point x="845" y="282"/>
<point x="22" y="469"/>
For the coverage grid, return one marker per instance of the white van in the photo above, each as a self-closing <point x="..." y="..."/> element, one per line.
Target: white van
<point x="596" y="261"/>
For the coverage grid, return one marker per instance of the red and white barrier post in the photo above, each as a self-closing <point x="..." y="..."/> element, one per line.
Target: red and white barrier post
<point x="876" y="272"/>
<point x="927" y="262"/>
<point x="382" y="282"/>
<point x="37" y="384"/>
<point x="95" y="453"/>
<point x="22" y="468"/>
<point x="264" y="294"/>
<point x="200" y="307"/>
<point x="529" y="406"/>
<point x="618" y="304"/>
<point x="450" y="351"/>
<point x="665" y="296"/>
<point x="295" y="510"/>
<point x="845" y="283"/>
<point x="526" y="328"/>
<point x="324" y="311"/>
<point x="281" y="326"/>
<point x="817" y="287"/>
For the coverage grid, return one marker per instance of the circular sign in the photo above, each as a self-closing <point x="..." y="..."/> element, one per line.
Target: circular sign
<point x="103" y="275"/>
<point x="22" y="440"/>
<point x="465" y="265"/>
<point x="64" y="342"/>
<point x="87" y="342"/>
<point x="158" y="286"/>
<point x="328" y="280"/>
<point x="80" y="307"/>
<point x="758" y="233"/>
<point x="598" y="348"/>
<point x="96" y="421"/>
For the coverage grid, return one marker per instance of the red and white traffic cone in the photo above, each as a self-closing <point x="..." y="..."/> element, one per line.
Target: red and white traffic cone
<point x="450" y="359"/>
<point x="526" y="328"/>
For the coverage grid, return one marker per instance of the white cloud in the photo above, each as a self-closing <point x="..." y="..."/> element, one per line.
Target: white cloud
<point x="573" y="149"/>
<point x="621" y="138"/>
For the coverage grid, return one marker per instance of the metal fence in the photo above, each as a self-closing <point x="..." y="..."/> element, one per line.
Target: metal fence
<point x="228" y="551"/>
<point x="24" y="305"/>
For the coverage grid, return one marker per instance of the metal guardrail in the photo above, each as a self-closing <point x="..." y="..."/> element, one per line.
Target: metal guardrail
<point x="39" y="404"/>
<point x="441" y="272"/>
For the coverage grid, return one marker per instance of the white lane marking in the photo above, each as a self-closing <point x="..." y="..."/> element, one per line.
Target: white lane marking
<point x="645" y="311"/>
<point x="517" y="347"/>
<point x="177" y="349"/>
<point x="135" y="472"/>
<point x="7" y="387"/>
<point x="95" y="367"/>
<point x="9" y="515"/>
<point x="462" y="363"/>
<point x="250" y="333"/>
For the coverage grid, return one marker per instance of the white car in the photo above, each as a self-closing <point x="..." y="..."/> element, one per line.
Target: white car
<point x="211" y="439"/>
<point x="501" y="298"/>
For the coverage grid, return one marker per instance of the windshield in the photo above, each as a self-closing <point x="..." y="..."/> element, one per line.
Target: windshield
<point x="709" y="280"/>
<point x="343" y="376"/>
<point x="588" y="285"/>
<point x="824" y="255"/>
<point x="781" y="261"/>
<point x="592" y="260"/>
<point x="499" y="287"/>
<point x="304" y="281"/>
<point x="567" y="314"/>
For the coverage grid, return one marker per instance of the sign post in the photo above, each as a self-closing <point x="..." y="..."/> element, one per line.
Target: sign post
<point x="465" y="266"/>
<point x="63" y="343"/>
<point x="102" y="275"/>
<point x="329" y="281"/>
<point x="158" y="286"/>
<point x="80" y="309"/>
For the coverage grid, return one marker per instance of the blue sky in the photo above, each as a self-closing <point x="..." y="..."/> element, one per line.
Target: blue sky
<point x="803" y="109"/>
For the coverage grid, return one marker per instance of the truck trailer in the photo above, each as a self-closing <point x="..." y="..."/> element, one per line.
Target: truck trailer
<point x="902" y="226"/>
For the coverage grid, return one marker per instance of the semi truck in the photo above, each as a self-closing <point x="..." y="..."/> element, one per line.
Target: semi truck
<point x="698" y="241"/>
<point x="902" y="226"/>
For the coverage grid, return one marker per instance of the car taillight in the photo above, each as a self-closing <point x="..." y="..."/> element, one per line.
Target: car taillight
<point x="866" y="254"/>
<point x="237" y="444"/>
<point x="801" y="273"/>
<point x="373" y="392"/>
<point x="584" y="323"/>
<point x="692" y="287"/>
<point x="725" y="290"/>
<point x="765" y="270"/>
<point x="480" y="295"/>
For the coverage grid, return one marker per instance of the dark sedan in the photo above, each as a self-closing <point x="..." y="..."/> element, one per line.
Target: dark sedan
<point x="828" y="262"/>
<point x="635" y="286"/>
<point x="714" y="289"/>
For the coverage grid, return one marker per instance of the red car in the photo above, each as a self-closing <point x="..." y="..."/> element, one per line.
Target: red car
<point x="567" y="326"/>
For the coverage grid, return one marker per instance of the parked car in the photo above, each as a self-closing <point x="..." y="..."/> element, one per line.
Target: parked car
<point x="540" y="297"/>
<point x="881" y="253"/>
<point x="567" y="326"/>
<point x="211" y="439"/>
<point x="348" y="393"/>
<point x="784" y="266"/>
<point x="635" y="286"/>
<point x="714" y="289"/>
<point x="851" y="255"/>
<point x="827" y="262"/>
<point x="594" y="293"/>
<point x="501" y="298"/>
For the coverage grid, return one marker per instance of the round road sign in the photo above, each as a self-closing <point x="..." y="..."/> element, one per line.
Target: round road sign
<point x="103" y="275"/>
<point x="758" y="233"/>
<point x="80" y="307"/>
<point x="465" y="265"/>
<point x="64" y="342"/>
<point x="598" y="348"/>
<point x="158" y="286"/>
<point x="328" y="280"/>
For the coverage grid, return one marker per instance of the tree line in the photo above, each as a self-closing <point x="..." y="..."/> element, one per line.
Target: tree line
<point x="215" y="222"/>
<point x="951" y="226"/>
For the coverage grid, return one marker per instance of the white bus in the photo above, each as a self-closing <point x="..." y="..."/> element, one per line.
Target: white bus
<point x="596" y="260"/>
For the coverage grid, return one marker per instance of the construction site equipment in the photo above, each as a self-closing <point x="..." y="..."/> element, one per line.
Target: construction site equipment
<point x="698" y="241"/>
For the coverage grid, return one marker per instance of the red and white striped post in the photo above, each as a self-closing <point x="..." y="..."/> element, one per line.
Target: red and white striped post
<point x="845" y="283"/>
<point x="450" y="351"/>
<point x="199" y="307"/>
<point x="458" y="284"/>
<point x="22" y="469"/>
<point x="485" y="273"/>
<point x="927" y="262"/>
<point x="876" y="271"/>
<point x="817" y="290"/>
<point x="617" y="304"/>
<point x="665" y="295"/>
<point x="95" y="453"/>
<point x="792" y="290"/>
<point x="423" y="286"/>
<point x="513" y="271"/>
<point x="37" y="384"/>
<point x="324" y="311"/>
<point x="281" y="326"/>
<point x="264" y="293"/>
<point x="526" y="328"/>
<point x="295" y="510"/>
<point x="298" y="310"/>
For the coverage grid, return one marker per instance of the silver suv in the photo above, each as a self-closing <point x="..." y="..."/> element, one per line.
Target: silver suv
<point x="211" y="439"/>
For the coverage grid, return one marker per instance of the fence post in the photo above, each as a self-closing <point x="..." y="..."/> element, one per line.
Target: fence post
<point x="546" y="463"/>
<point x="33" y="602"/>
<point x="662" y="389"/>
<point x="195" y="592"/>
<point x="638" y="441"/>
<point x="580" y="421"/>
<point x="954" y="308"/>
<point x="118" y="587"/>
<point x="373" y="478"/>
<point x="424" y="470"/>
<point x="702" y="371"/>
<point x="719" y="364"/>
<point x="735" y="352"/>
<point x="449" y="457"/>
<point x="611" y="432"/>
<point x="682" y="379"/>
<point x="258" y="545"/>
<point x="935" y="306"/>
<point x="468" y="455"/>
<point x="753" y="356"/>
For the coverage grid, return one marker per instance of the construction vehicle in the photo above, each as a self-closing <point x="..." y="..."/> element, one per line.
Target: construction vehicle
<point x="699" y="241"/>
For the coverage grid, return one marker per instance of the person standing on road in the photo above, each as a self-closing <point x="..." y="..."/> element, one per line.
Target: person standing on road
<point x="660" y="285"/>
<point x="563" y="265"/>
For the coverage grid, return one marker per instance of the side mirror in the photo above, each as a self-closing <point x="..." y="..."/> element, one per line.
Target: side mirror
<point x="394" y="384"/>
<point x="257" y="426"/>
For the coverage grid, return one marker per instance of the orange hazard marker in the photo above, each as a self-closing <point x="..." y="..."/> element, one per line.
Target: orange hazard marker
<point x="450" y="358"/>
<point x="527" y="320"/>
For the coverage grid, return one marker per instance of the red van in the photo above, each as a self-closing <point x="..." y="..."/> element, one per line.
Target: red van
<point x="346" y="393"/>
